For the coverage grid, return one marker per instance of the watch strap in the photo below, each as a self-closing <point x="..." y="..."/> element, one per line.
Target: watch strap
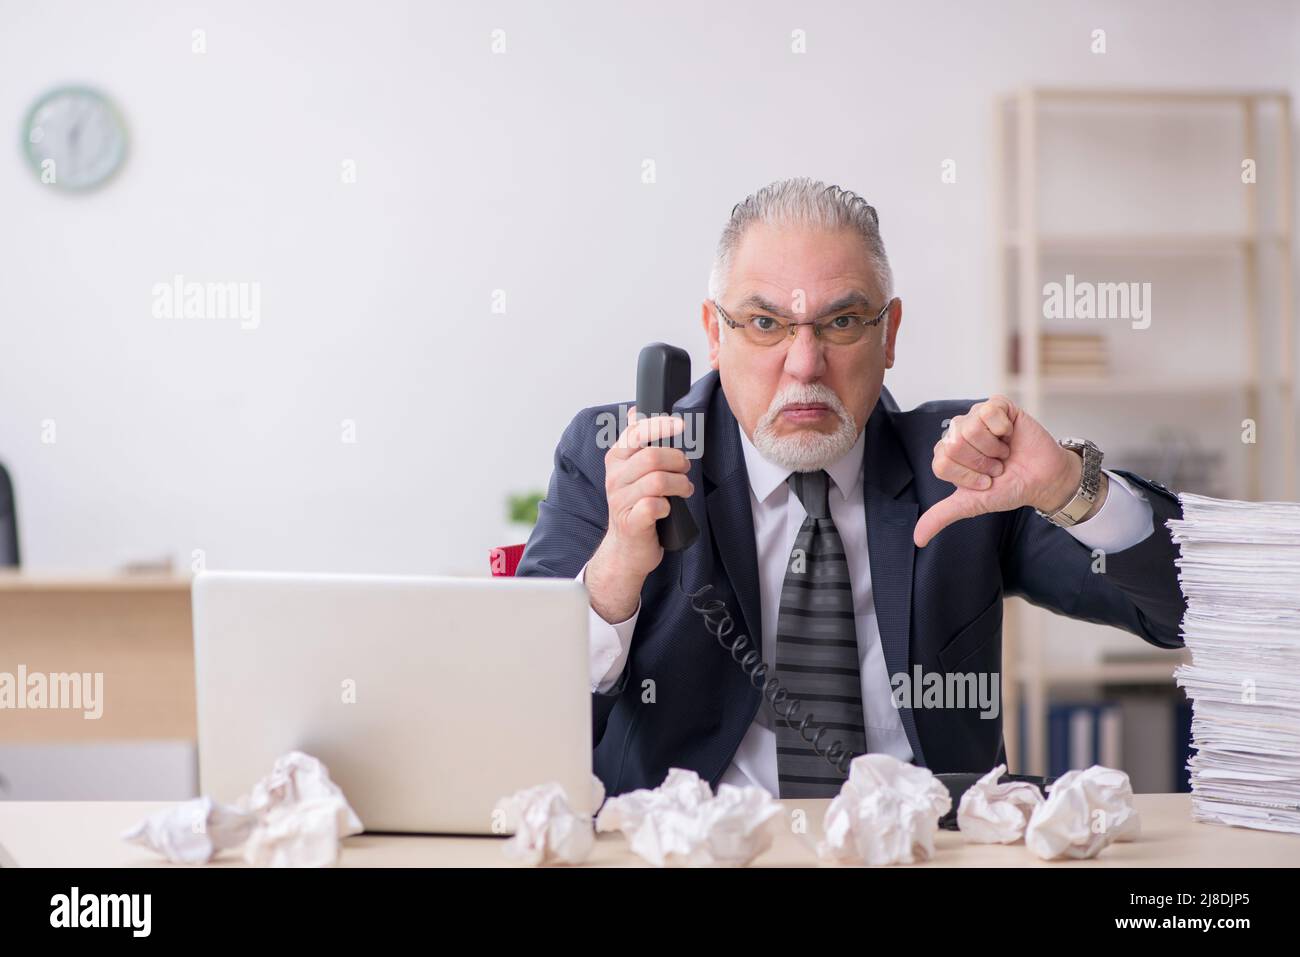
<point x="1076" y="509"/>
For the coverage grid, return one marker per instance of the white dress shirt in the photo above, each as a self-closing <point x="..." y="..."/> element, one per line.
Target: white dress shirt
<point x="1124" y="519"/>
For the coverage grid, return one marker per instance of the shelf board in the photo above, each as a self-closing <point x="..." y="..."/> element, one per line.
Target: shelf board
<point x="1125" y="385"/>
<point x="1122" y="94"/>
<point x="1152" y="244"/>
<point x="1115" y="672"/>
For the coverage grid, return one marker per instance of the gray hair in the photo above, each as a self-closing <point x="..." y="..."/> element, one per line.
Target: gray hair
<point x="807" y="202"/>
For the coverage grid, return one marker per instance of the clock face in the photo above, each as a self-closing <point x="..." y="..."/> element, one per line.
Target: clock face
<point x="74" y="138"/>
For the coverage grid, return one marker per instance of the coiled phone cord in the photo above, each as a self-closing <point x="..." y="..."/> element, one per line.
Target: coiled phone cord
<point x="720" y="624"/>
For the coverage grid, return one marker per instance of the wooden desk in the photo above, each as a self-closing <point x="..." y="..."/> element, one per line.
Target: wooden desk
<point x="135" y="629"/>
<point x="86" y="834"/>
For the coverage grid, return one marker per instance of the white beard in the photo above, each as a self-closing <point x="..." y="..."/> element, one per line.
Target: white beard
<point x="806" y="450"/>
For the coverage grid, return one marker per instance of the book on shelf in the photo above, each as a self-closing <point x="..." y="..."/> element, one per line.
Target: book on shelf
<point x="1065" y="354"/>
<point x="1082" y="734"/>
<point x="1145" y="733"/>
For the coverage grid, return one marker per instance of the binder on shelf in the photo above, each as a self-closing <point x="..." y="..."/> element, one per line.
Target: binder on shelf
<point x="1081" y="734"/>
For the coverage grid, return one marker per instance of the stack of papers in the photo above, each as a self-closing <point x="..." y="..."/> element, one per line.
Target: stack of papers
<point x="1240" y="571"/>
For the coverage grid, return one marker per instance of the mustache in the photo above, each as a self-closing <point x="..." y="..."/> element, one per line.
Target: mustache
<point x="806" y="394"/>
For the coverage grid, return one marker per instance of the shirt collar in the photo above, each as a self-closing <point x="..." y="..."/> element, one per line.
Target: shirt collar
<point x="766" y="477"/>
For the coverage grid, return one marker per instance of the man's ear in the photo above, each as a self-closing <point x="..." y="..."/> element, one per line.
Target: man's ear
<point x="709" y="319"/>
<point x="893" y="321"/>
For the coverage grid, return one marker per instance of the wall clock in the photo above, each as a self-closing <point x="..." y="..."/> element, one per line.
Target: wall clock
<point x="74" y="138"/>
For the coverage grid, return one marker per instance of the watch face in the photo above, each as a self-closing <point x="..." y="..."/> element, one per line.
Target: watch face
<point x="74" y="138"/>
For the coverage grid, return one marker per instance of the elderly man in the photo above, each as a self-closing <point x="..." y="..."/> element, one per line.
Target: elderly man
<point x="865" y="549"/>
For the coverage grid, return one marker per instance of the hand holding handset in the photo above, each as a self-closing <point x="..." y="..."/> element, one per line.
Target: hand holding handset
<point x="663" y="375"/>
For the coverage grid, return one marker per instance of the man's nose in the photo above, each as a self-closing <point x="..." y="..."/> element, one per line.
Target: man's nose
<point x="805" y="357"/>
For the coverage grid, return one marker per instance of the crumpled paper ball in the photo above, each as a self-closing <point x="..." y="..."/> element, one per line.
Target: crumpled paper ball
<point x="1084" y="812"/>
<point x="887" y="812"/>
<point x="680" y="788"/>
<point x="682" y="823"/>
<point x="304" y="834"/>
<point x="297" y="777"/>
<point x="294" y="817"/>
<point x="547" y="830"/>
<point x="993" y="813"/>
<point x="194" y="831"/>
<point x="302" y="815"/>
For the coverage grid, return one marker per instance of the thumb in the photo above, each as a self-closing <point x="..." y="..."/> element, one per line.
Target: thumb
<point x="960" y="504"/>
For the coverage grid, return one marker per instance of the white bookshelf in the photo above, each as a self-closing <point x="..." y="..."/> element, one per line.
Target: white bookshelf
<point x="1145" y="185"/>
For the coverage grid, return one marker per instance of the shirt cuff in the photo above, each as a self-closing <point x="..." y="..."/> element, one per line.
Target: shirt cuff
<point x="607" y="645"/>
<point x="1123" y="520"/>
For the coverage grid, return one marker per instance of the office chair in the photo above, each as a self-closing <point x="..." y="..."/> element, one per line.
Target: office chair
<point x="504" y="559"/>
<point x="8" y="522"/>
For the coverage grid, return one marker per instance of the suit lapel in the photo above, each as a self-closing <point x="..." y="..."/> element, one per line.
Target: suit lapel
<point x="891" y="517"/>
<point x="730" y="519"/>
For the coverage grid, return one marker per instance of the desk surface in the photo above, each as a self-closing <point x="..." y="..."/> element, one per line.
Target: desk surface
<point x="86" y="834"/>
<point x="16" y="580"/>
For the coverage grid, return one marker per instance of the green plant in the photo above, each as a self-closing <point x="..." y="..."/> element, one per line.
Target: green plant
<point x="522" y="508"/>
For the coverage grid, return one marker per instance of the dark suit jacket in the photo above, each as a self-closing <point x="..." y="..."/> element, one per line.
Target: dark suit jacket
<point x="939" y="607"/>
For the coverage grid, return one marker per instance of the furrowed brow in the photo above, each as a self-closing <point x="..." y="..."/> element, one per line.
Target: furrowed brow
<point x="854" y="300"/>
<point x="757" y="303"/>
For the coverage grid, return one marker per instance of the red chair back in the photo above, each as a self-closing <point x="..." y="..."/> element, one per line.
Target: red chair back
<point x="505" y="559"/>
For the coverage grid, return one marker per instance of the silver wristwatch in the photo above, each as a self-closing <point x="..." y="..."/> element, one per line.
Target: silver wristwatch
<point x="1075" y="509"/>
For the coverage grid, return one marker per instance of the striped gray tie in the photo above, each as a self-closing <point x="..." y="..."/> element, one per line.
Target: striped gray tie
<point x="817" y="648"/>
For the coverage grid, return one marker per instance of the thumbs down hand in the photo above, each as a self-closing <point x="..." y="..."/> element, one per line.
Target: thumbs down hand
<point x="1000" y="459"/>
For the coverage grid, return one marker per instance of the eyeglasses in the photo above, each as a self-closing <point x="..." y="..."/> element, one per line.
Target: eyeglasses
<point x="841" y="330"/>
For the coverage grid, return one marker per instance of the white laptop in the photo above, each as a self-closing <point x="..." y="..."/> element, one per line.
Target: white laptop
<point x="427" y="698"/>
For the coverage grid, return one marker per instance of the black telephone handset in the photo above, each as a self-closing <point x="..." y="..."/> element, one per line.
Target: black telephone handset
<point x="663" y="375"/>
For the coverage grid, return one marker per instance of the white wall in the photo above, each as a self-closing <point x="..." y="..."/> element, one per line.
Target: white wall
<point x="475" y="172"/>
